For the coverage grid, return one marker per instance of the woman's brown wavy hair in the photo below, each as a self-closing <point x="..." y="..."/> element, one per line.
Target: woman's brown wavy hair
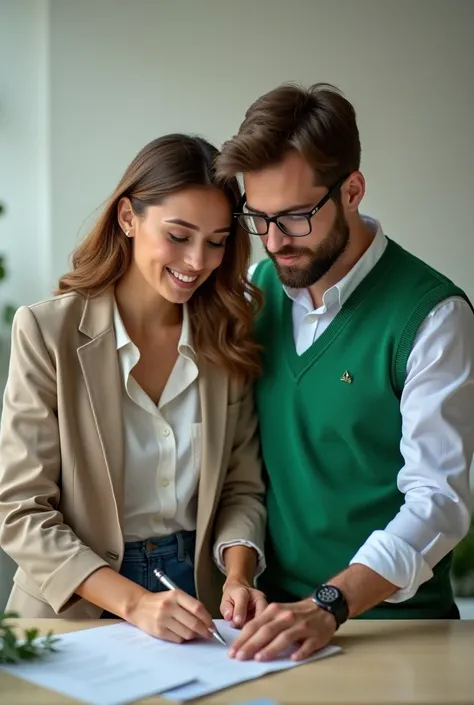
<point x="222" y="308"/>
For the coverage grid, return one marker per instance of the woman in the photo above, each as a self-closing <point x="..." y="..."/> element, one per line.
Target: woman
<point x="128" y="439"/>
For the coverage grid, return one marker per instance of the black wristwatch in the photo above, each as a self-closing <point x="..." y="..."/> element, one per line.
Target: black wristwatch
<point x="331" y="599"/>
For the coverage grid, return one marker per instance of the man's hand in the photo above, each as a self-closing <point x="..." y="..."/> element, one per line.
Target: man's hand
<point x="302" y="625"/>
<point x="241" y="602"/>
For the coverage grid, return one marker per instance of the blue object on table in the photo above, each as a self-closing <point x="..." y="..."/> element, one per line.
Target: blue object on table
<point x="259" y="701"/>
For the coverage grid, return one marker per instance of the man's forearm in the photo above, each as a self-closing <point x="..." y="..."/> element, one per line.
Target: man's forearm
<point x="362" y="587"/>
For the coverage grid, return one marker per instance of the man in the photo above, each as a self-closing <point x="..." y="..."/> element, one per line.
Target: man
<point x="366" y="402"/>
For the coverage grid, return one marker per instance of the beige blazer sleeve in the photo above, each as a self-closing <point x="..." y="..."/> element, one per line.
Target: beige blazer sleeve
<point x="32" y="530"/>
<point x="241" y="514"/>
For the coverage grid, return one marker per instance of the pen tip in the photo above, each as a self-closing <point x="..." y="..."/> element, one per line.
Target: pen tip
<point x="220" y="639"/>
<point x="217" y="636"/>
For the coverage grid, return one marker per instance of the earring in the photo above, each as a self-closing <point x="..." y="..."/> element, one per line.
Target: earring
<point x="127" y="233"/>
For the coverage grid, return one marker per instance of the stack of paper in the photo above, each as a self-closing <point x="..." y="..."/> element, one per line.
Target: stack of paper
<point x="119" y="664"/>
<point x="217" y="671"/>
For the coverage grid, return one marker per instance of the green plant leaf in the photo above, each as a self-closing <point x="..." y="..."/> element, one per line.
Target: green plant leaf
<point x="8" y="615"/>
<point x="9" y="314"/>
<point x="13" y="650"/>
<point x="31" y="634"/>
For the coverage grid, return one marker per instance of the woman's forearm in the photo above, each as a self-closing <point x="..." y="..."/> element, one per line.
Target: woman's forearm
<point x="240" y="563"/>
<point x="111" y="591"/>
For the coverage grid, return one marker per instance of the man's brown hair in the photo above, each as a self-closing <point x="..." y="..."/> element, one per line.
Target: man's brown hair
<point x="318" y="122"/>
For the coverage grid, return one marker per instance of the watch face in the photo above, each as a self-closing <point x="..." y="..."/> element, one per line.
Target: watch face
<point x="328" y="594"/>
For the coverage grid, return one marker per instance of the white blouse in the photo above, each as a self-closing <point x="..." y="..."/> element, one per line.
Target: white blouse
<point x="162" y="443"/>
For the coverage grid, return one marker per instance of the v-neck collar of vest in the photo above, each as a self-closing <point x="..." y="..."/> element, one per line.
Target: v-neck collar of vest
<point x="299" y="363"/>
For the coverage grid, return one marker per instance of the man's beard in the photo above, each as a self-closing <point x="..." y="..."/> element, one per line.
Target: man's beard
<point x="321" y="259"/>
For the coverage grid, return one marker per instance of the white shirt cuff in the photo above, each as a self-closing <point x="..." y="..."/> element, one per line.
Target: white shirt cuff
<point x="219" y="555"/>
<point x="396" y="561"/>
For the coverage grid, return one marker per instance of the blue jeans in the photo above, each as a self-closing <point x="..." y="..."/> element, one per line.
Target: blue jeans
<point x="173" y="554"/>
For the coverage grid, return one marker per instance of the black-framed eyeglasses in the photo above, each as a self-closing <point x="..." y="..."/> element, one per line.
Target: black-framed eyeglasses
<point x="292" y="224"/>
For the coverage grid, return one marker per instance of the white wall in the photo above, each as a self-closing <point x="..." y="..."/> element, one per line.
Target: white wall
<point x="84" y="85"/>
<point x="123" y="73"/>
<point x="24" y="229"/>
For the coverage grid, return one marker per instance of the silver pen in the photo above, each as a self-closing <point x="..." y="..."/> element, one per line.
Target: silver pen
<point x="164" y="580"/>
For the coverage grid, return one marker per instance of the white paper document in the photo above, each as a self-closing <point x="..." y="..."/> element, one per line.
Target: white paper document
<point x="104" y="666"/>
<point x="217" y="671"/>
<point x="119" y="664"/>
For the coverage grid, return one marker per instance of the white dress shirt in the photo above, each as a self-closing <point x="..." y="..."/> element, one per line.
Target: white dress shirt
<point x="162" y="443"/>
<point x="163" y="446"/>
<point x="437" y="444"/>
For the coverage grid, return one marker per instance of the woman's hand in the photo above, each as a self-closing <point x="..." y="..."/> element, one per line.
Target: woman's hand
<point x="241" y="602"/>
<point x="173" y="615"/>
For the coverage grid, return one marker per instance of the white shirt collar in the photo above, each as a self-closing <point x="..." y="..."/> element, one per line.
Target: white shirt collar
<point x="185" y="343"/>
<point x="340" y="292"/>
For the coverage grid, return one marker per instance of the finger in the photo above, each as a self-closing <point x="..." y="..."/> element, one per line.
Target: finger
<point x="265" y="635"/>
<point x="227" y="608"/>
<point x="240" y="597"/>
<point x="168" y="635"/>
<point x="256" y="606"/>
<point x="307" y="649"/>
<point x="285" y="642"/>
<point x="181" y="631"/>
<point x="195" y="608"/>
<point x="269" y="614"/>
<point x="246" y="634"/>
<point x="260" y="605"/>
<point x="191" y="625"/>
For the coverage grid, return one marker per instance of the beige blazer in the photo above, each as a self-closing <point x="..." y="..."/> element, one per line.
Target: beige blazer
<point x="61" y="460"/>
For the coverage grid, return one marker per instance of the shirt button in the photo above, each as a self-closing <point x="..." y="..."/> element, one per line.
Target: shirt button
<point x="311" y="318"/>
<point x="164" y="483"/>
<point x="166" y="432"/>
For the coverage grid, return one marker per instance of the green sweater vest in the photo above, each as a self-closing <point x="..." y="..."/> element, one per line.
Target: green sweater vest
<point x="331" y="448"/>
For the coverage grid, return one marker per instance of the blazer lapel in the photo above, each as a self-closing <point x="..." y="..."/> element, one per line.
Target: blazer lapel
<point x="214" y="398"/>
<point x="99" y="362"/>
